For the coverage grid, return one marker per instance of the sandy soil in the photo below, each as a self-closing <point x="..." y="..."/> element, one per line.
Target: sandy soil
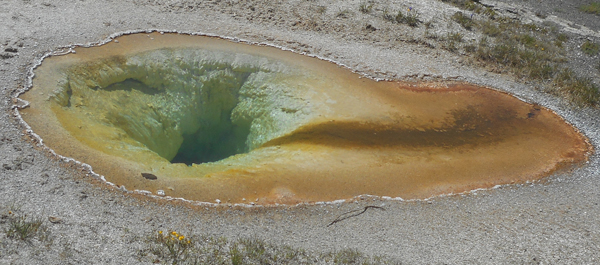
<point x="549" y="222"/>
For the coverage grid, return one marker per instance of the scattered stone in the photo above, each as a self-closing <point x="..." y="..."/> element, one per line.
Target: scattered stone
<point x="22" y="162"/>
<point x="10" y="49"/>
<point x="160" y="192"/>
<point x="6" y="55"/>
<point x="54" y="220"/>
<point x="371" y="27"/>
<point x="149" y="176"/>
<point x="6" y="166"/>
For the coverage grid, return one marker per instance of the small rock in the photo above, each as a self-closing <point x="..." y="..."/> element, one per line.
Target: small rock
<point x="149" y="176"/>
<point x="6" y="166"/>
<point x="371" y="28"/>
<point x="218" y="201"/>
<point x="6" y="55"/>
<point x="9" y="49"/>
<point x="54" y="220"/>
<point x="160" y="192"/>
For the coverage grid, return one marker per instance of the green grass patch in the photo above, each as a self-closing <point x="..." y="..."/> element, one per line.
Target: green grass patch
<point x="590" y="48"/>
<point x="581" y="91"/>
<point x="592" y="8"/>
<point x="489" y="28"/>
<point x="527" y="40"/>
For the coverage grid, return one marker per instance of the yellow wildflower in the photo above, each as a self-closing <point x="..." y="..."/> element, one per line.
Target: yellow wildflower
<point x="181" y="237"/>
<point x="174" y="233"/>
<point x="160" y="232"/>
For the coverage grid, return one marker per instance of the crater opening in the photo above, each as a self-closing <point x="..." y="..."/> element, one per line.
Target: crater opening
<point x="205" y="119"/>
<point x="215" y="137"/>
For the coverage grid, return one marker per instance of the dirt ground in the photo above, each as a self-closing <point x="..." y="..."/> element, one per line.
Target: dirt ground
<point x="553" y="221"/>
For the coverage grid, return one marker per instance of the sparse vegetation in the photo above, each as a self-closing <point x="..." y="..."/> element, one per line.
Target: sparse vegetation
<point x="464" y="20"/>
<point x="489" y="28"/>
<point x="365" y="8"/>
<point x="590" y="48"/>
<point x="411" y="17"/>
<point x="580" y="90"/>
<point x="524" y="50"/>
<point x="456" y="36"/>
<point x="23" y="228"/>
<point x="175" y="248"/>
<point x="560" y="39"/>
<point x="452" y="40"/>
<point x="321" y="9"/>
<point x="343" y="14"/>
<point x="592" y="8"/>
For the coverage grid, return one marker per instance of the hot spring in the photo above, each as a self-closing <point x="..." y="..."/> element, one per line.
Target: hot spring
<point x="204" y="119"/>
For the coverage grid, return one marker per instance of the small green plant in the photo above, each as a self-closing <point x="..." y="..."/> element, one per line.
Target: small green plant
<point x="464" y="20"/>
<point x="365" y="8"/>
<point x="592" y="8"/>
<point x="590" y="48"/>
<point x="452" y="40"/>
<point x="457" y="37"/>
<point x="344" y="14"/>
<point x="19" y="227"/>
<point x="411" y="17"/>
<point x="388" y="16"/>
<point x="172" y="246"/>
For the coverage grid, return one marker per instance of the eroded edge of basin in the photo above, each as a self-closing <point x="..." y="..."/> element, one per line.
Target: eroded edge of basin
<point x="19" y="104"/>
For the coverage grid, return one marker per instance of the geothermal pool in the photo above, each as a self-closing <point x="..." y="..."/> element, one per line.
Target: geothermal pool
<point x="205" y="118"/>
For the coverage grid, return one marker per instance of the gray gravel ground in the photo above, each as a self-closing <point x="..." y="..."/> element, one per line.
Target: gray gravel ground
<point x="554" y="221"/>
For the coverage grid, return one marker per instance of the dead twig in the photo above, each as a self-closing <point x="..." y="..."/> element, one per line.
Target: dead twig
<point x="344" y="216"/>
